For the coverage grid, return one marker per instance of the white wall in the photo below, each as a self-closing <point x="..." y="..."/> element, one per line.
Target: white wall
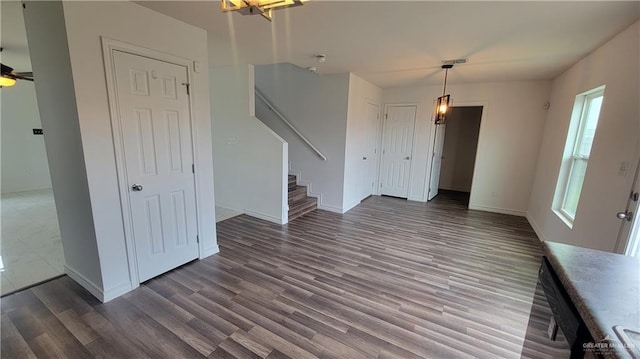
<point x="85" y="23"/>
<point x="24" y="158"/>
<point x="510" y="135"/>
<point x="605" y="189"/>
<point x="358" y="141"/>
<point x="57" y="104"/>
<point x="317" y="106"/>
<point x="459" y="152"/>
<point x="250" y="160"/>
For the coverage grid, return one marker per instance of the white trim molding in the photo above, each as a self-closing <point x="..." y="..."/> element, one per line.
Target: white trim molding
<point x="265" y="217"/>
<point x="102" y="295"/>
<point x="511" y="212"/>
<point x="209" y="251"/>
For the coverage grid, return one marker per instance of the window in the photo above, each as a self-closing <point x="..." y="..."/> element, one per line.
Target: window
<point x="582" y="131"/>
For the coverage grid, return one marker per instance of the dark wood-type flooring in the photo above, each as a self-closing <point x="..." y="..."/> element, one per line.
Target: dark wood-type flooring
<point x="389" y="279"/>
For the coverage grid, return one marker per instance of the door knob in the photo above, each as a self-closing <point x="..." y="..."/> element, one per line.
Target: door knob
<point x="625" y="215"/>
<point x="364" y="158"/>
<point x="136" y="187"/>
<point x="407" y="158"/>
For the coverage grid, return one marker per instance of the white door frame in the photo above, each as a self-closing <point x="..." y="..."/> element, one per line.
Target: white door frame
<point x="108" y="48"/>
<point x="629" y="230"/>
<point x="377" y="143"/>
<point x="383" y="121"/>
<point x="483" y="117"/>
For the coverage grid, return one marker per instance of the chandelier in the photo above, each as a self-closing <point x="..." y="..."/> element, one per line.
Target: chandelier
<point x="258" y="7"/>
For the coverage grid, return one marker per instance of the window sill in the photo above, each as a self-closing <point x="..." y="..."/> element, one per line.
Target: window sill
<point x="564" y="218"/>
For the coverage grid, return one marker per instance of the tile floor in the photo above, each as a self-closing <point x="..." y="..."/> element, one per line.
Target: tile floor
<point x="30" y="243"/>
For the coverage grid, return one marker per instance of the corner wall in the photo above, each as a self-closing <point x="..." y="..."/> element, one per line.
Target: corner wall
<point x="250" y="160"/>
<point x="362" y="136"/>
<point x="48" y="46"/>
<point x="88" y="158"/>
<point x="605" y="188"/>
<point x="510" y="135"/>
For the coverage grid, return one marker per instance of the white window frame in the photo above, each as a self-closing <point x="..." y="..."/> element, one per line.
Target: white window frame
<point x="575" y="137"/>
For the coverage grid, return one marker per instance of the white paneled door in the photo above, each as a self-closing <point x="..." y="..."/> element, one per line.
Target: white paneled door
<point x="397" y="146"/>
<point x="372" y="124"/>
<point x="156" y="131"/>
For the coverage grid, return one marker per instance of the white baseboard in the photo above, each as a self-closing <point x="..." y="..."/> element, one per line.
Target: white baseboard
<point x="263" y="216"/>
<point x="229" y="206"/>
<point x="117" y="291"/>
<point x="349" y="207"/>
<point x="334" y="209"/>
<point x="96" y="291"/>
<point x="536" y="228"/>
<point x="209" y="252"/>
<point x="498" y="210"/>
<point x="84" y="282"/>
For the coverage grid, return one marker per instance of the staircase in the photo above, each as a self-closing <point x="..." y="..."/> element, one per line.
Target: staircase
<point x="299" y="203"/>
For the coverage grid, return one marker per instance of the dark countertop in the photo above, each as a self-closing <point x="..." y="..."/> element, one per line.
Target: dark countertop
<point x="603" y="286"/>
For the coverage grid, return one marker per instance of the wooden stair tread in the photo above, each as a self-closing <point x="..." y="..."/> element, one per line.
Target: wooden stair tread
<point x="292" y="182"/>
<point x="299" y="203"/>
<point x="303" y="207"/>
<point x="297" y="194"/>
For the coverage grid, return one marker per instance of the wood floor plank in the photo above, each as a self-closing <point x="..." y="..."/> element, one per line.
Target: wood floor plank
<point x="388" y="279"/>
<point x="13" y="344"/>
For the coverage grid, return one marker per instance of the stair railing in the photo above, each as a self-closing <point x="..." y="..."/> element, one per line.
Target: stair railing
<point x="295" y="130"/>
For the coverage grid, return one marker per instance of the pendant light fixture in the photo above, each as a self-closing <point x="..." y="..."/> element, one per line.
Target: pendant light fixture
<point x="444" y="101"/>
<point x="442" y="106"/>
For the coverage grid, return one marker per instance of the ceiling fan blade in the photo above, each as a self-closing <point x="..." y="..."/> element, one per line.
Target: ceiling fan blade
<point x="28" y="76"/>
<point x="6" y="69"/>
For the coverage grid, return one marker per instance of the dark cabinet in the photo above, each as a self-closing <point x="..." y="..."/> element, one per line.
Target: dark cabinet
<point x="564" y="311"/>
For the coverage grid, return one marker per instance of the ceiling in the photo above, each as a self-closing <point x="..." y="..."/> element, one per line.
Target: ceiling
<point x="402" y="43"/>
<point x="393" y="43"/>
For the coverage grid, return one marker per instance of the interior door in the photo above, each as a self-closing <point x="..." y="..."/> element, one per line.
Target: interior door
<point x="156" y="132"/>
<point x="369" y="157"/>
<point x="397" y="148"/>
<point x="436" y="162"/>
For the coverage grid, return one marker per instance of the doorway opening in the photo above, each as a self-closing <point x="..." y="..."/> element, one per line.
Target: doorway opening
<point x="31" y="247"/>
<point x="454" y="156"/>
